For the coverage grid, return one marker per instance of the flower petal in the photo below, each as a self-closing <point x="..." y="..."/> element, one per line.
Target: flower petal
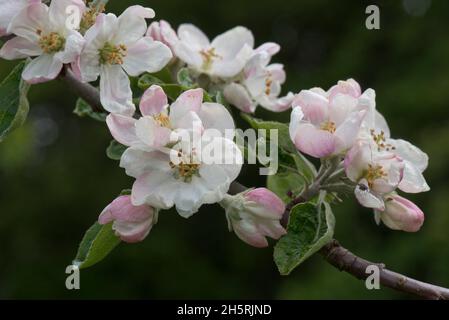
<point x="413" y="180"/>
<point x="368" y="199"/>
<point x="146" y="55"/>
<point x="193" y="37"/>
<point x="314" y="142"/>
<point x="29" y="21"/>
<point x="229" y="44"/>
<point x="132" y="25"/>
<point x="58" y="13"/>
<point x="314" y="106"/>
<point x="115" y="90"/>
<point x="347" y="132"/>
<point x="216" y="116"/>
<point x="123" y="129"/>
<point x="239" y="97"/>
<point x="153" y="101"/>
<point x="19" y="48"/>
<point x="42" y="69"/>
<point x="190" y="100"/>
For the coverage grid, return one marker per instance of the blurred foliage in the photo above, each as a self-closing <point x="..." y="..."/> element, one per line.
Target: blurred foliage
<point x="55" y="177"/>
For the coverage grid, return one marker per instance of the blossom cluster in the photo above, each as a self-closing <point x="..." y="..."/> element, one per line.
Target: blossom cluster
<point x="170" y="171"/>
<point x="343" y="122"/>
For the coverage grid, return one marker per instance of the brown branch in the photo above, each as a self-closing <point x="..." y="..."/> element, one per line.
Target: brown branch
<point x="344" y="260"/>
<point x="333" y="252"/>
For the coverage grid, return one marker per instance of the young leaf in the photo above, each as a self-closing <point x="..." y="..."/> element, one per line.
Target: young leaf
<point x="147" y="80"/>
<point x="309" y="229"/>
<point x="184" y="78"/>
<point x="97" y="243"/>
<point x="283" y="183"/>
<point x="115" y="150"/>
<point x="14" y="105"/>
<point x="83" y="109"/>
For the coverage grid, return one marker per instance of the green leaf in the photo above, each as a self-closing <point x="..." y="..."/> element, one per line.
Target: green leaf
<point x="126" y="192"/>
<point x="285" y="182"/>
<point x="14" y="104"/>
<point x="115" y="150"/>
<point x="184" y="78"/>
<point x="83" y="109"/>
<point x="97" y="243"/>
<point x="309" y="229"/>
<point x="147" y="80"/>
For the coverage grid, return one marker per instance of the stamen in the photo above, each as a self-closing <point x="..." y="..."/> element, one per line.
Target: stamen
<point x="373" y="173"/>
<point x="380" y="140"/>
<point x="329" y="126"/>
<point x="268" y="83"/>
<point x="111" y="54"/>
<point x="51" y="42"/>
<point x="162" y="119"/>
<point x="186" y="168"/>
<point x="208" y="58"/>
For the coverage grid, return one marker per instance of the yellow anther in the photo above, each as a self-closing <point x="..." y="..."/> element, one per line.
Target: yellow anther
<point x="51" y="42"/>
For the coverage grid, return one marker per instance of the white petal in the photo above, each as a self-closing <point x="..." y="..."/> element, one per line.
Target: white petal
<point x="19" y="48"/>
<point x="72" y="49"/>
<point x="216" y="116"/>
<point x="115" y="90"/>
<point x="413" y="180"/>
<point x="132" y="25"/>
<point x="29" y="20"/>
<point x="59" y="13"/>
<point x="229" y="44"/>
<point x="136" y="162"/>
<point x="409" y="152"/>
<point x="146" y="55"/>
<point x="367" y="199"/>
<point x="193" y="37"/>
<point x="43" y="68"/>
<point x="239" y="97"/>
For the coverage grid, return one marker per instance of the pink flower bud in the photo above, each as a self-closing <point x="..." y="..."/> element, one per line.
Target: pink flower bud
<point x="254" y="215"/>
<point x="130" y="223"/>
<point x="163" y="32"/>
<point x="349" y="87"/>
<point x="402" y="214"/>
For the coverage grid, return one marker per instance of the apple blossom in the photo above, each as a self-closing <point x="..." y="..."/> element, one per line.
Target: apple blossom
<point x="163" y="32"/>
<point x="42" y="32"/>
<point x="130" y="223"/>
<point x="400" y="214"/>
<point x="190" y="181"/>
<point x="260" y="83"/>
<point x="375" y="174"/>
<point x="8" y="10"/>
<point x="117" y="47"/>
<point x="255" y="214"/>
<point x="224" y="57"/>
<point x="153" y="130"/>
<point x="323" y="125"/>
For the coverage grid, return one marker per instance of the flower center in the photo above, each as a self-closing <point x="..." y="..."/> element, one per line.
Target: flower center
<point x="373" y="173"/>
<point x="111" y="54"/>
<point x="89" y="17"/>
<point x="186" y="167"/>
<point x="380" y="140"/>
<point x="329" y="126"/>
<point x="51" y="42"/>
<point x="208" y="57"/>
<point x="162" y="119"/>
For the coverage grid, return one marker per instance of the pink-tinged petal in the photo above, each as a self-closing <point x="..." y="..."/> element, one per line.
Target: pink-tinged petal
<point x="132" y="25"/>
<point x="366" y="198"/>
<point x="278" y="104"/>
<point x="266" y="199"/>
<point x="402" y="214"/>
<point x="269" y="48"/>
<point x="151" y="133"/>
<point x="357" y="160"/>
<point x="9" y="9"/>
<point x="410" y="153"/>
<point x="123" y="129"/>
<point x="146" y="55"/>
<point x="59" y="13"/>
<point x="349" y="87"/>
<point x="115" y="90"/>
<point x="131" y="223"/>
<point x="229" y="44"/>
<point x="193" y="37"/>
<point x="314" y="142"/>
<point x="249" y="233"/>
<point x="153" y="102"/>
<point x="29" y="21"/>
<point x="239" y="97"/>
<point x="42" y="69"/>
<point x="296" y="119"/>
<point x="314" y="106"/>
<point x="136" y="161"/>
<point x="185" y="53"/>
<point x="341" y="107"/>
<point x="19" y="48"/>
<point x="190" y="100"/>
<point x="347" y="132"/>
<point x="277" y="72"/>
<point x="163" y="32"/>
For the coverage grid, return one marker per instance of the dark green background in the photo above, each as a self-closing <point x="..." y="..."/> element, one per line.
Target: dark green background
<point x="55" y="178"/>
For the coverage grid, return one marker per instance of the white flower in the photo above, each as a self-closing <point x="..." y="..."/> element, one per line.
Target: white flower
<point x="115" y="48"/>
<point x="260" y="83"/>
<point x="42" y="32"/>
<point x="224" y="57"/>
<point x="191" y="180"/>
<point x="376" y="173"/>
